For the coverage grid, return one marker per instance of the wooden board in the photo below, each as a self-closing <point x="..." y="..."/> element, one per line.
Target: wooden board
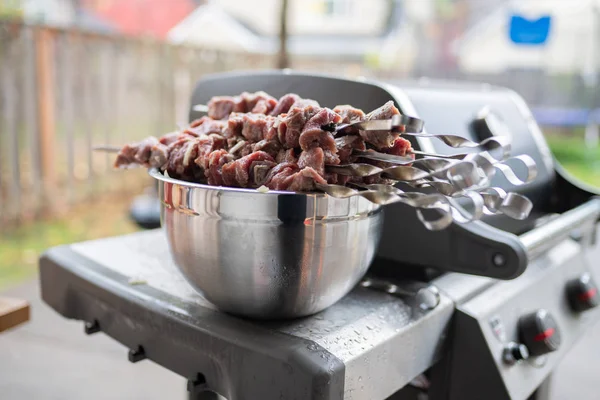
<point x="12" y="312"/>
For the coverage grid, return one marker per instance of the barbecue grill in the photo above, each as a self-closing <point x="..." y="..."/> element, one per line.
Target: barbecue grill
<point x="479" y="310"/>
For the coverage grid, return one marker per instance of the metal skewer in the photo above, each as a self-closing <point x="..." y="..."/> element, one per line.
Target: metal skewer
<point x="200" y="108"/>
<point x="107" y="148"/>
<point x="398" y="122"/>
<point x="461" y="175"/>
<point x="383" y="197"/>
<point x="453" y="156"/>
<point x="482" y="160"/>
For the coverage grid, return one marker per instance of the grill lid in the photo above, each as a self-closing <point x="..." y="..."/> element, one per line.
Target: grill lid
<point x="490" y="248"/>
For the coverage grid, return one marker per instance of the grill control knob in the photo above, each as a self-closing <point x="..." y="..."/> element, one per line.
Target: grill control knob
<point x="515" y="352"/>
<point x="582" y="293"/>
<point x="488" y="124"/>
<point x="539" y="332"/>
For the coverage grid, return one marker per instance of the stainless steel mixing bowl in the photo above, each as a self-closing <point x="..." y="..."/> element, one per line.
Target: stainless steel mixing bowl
<point x="268" y="255"/>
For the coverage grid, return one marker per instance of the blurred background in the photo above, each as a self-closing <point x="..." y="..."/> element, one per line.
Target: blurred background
<point x="80" y="73"/>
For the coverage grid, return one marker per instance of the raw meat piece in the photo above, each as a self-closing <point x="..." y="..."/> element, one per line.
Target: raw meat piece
<point x="381" y="139"/>
<point x="317" y="138"/>
<point x="206" y="125"/>
<point x="180" y="164"/>
<point x="264" y="106"/>
<point x="346" y="144"/>
<point x="313" y="158"/>
<point x="287" y="156"/>
<point x="206" y="145"/>
<point x="285" y="103"/>
<point x="173" y="137"/>
<point x="291" y="125"/>
<point x="288" y="176"/>
<point x="216" y="160"/>
<point x="305" y="180"/>
<point x="245" y="150"/>
<point x="235" y="124"/>
<point x="256" y="126"/>
<point x="237" y="173"/>
<point x="219" y="107"/>
<point x="258" y="101"/>
<point x="271" y="147"/>
<point x="258" y="172"/>
<point x="304" y="103"/>
<point x="312" y="135"/>
<point x="400" y="147"/>
<point x="349" y="114"/>
<point x="279" y="177"/>
<point x="148" y="153"/>
<point x="386" y="111"/>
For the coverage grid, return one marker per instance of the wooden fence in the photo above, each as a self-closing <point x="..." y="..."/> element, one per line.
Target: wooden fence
<point x="64" y="91"/>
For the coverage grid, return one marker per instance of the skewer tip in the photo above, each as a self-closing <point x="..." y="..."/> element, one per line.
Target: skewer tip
<point x="107" y="148"/>
<point x="200" y="108"/>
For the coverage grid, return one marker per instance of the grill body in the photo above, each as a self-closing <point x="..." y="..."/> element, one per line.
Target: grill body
<point x="371" y="344"/>
<point x="538" y="256"/>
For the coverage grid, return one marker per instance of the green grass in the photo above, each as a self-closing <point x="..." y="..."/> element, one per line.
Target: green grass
<point x="21" y="247"/>
<point x="582" y="162"/>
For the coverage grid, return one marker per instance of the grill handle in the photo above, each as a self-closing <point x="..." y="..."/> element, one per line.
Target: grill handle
<point x="476" y="248"/>
<point x="540" y="239"/>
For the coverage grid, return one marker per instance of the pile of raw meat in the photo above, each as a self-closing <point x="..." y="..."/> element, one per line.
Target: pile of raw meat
<point x="254" y="140"/>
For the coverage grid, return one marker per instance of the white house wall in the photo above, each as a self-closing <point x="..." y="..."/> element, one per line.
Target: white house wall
<point x="306" y="16"/>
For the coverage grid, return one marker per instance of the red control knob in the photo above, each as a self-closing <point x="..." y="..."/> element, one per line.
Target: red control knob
<point x="539" y="332"/>
<point x="582" y="293"/>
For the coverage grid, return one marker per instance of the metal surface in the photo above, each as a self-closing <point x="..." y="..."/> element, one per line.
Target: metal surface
<point x="491" y="248"/>
<point x="453" y="107"/>
<point x="548" y="235"/>
<point x="365" y="347"/>
<point x="427" y="296"/>
<point x="384" y="333"/>
<point x="454" y="172"/>
<point x="268" y="255"/>
<point x="404" y="122"/>
<point x="476" y="363"/>
<point x="386" y="194"/>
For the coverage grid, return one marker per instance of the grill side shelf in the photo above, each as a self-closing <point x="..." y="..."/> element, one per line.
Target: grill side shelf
<point x="228" y="355"/>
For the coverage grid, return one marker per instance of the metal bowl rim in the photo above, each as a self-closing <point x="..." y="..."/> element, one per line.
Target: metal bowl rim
<point x="156" y="174"/>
